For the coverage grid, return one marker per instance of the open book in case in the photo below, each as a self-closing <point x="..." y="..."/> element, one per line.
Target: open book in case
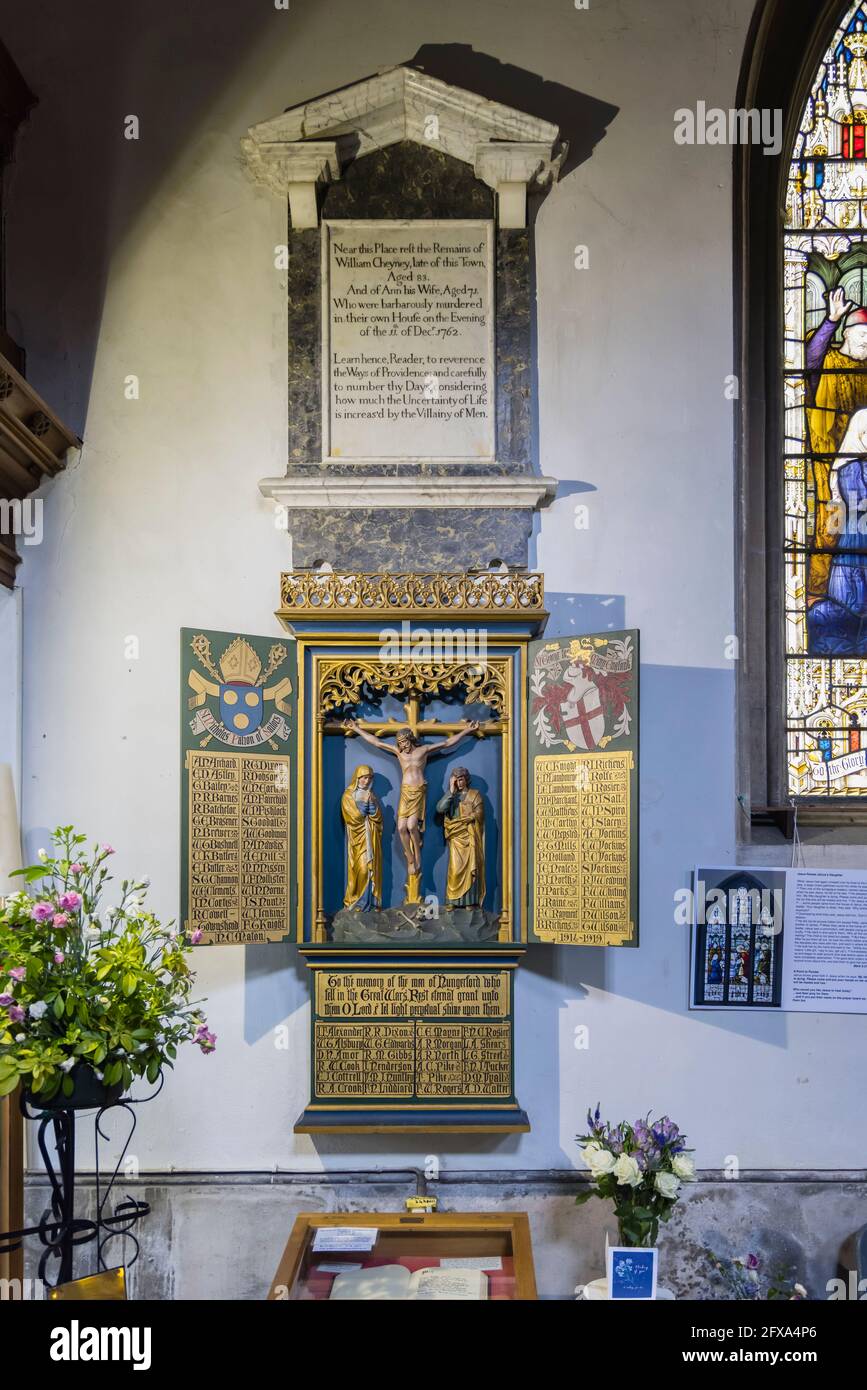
<point x="407" y="1257"/>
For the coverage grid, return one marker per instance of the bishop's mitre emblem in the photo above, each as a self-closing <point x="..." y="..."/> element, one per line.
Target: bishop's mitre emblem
<point x="239" y="682"/>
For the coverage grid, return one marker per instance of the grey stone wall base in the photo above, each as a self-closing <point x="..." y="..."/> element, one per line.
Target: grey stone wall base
<point x="220" y="1236"/>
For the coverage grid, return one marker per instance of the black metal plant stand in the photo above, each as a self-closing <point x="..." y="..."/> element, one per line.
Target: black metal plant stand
<point x="59" y="1229"/>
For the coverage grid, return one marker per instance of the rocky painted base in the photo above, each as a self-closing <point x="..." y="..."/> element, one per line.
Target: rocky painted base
<point x="408" y="924"/>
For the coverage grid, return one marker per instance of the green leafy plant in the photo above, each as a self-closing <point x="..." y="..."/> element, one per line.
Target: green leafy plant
<point x="83" y="986"/>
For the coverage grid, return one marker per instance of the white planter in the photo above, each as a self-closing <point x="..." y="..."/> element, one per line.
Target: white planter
<point x="597" y="1291"/>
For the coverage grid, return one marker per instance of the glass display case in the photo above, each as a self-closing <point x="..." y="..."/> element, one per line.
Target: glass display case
<point x="404" y="1257"/>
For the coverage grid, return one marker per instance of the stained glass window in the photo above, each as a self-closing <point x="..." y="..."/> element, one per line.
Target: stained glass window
<point x="825" y="427"/>
<point x="738" y="946"/>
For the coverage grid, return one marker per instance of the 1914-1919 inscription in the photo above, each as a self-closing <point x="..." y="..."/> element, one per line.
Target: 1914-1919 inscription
<point x="408" y="333"/>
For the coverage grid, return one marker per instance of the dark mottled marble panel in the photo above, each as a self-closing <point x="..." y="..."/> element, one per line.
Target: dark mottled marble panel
<point x="305" y="344"/>
<point x="411" y="181"/>
<point x="395" y="468"/>
<point x="514" y="350"/>
<point x="398" y="539"/>
<point x="408" y="180"/>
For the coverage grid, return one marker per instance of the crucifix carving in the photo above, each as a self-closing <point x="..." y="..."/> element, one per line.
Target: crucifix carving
<point x="412" y="756"/>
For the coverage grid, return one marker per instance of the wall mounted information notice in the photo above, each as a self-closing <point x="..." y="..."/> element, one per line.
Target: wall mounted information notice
<point x="788" y="939"/>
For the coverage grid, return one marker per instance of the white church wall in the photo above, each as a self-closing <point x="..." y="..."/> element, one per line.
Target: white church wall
<point x="158" y="256"/>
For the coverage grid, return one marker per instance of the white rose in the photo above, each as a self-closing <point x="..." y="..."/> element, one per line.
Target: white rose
<point x="627" y="1171"/>
<point x="684" y="1167"/>
<point x="68" y="1064"/>
<point x="799" y="1289"/>
<point x="41" y="854"/>
<point x="600" y="1161"/>
<point x="38" y="1009"/>
<point x="667" y="1185"/>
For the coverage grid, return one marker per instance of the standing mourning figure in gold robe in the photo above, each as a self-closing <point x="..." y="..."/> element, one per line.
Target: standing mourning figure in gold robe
<point x="837" y="382"/>
<point x="463" y="816"/>
<point x="362" y="816"/>
<point x="412" y="757"/>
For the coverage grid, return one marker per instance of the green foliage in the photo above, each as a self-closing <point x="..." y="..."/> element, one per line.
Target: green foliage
<point x="108" y="991"/>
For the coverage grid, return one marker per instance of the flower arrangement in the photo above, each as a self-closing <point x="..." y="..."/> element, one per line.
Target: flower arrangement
<point x="82" y="988"/>
<point x="640" y="1168"/>
<point x="746" y="1279"/>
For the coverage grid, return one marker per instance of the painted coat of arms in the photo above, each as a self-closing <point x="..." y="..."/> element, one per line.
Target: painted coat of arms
<point x="581" y="693"/>
<point x="239" y="685"/>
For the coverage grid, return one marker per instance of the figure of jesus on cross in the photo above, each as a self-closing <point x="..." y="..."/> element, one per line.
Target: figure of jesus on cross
<point x="412" y="757"/>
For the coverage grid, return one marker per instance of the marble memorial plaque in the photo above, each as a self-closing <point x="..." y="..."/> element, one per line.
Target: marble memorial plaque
<point x="408" y="340"/>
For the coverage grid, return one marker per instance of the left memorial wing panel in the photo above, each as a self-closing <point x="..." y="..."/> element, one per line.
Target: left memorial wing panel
<point x="238" y="748"/>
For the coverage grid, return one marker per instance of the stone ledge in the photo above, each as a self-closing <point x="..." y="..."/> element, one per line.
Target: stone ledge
<point x="458" y="1177"/>
<point x="378" y="491"/>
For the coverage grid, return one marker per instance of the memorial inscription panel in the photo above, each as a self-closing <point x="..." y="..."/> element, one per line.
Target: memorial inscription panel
<point x="238" y="851"/>
<point x="429" y="1047"/>
<point x="408" y="993"/>
<point x="408" y="340"/>
<point x="581" y="849"/>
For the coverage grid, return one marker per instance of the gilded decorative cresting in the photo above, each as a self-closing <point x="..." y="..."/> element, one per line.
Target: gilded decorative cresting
<point x="308" y="592"/>
<point x="346" y="680"/>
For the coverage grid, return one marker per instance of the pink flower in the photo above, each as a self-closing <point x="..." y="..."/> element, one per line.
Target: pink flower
<point x="5" y="1000"/>
<point x="207" y="1041"/>
<point x="16" y="1014"/>
<point x="59" y="957"/>
<point x="61" y="919"/>
<point x="41" y="912"/>
<point x="107" y="849"/>
<point x="70" y="901"/>
<point x="76" y="869"/>
<point x="19" y="973"/>
<point x="196" y="936"/>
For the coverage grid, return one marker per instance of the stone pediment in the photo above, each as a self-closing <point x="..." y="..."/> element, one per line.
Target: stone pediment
<point x="308" y="145"/>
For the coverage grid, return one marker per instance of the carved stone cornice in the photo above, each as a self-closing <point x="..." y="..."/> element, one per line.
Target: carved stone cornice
<point x="510" y="168"/>
<point x="406" y="104"/>
<point x="294" y="171"/>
